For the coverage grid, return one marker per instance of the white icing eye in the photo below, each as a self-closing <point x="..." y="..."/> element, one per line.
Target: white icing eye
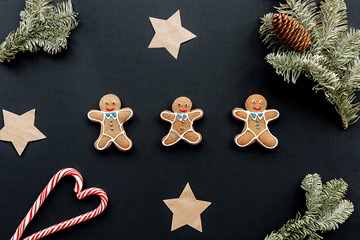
<point x="186" y="104"/>
<point x="107" y="102"/>
<point x="253" y="101"/>
<point x="261" y="101"/>
<point x="113" y="102"/>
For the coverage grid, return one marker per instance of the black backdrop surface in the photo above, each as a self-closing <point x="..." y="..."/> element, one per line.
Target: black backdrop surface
<point x="253" y="191"/>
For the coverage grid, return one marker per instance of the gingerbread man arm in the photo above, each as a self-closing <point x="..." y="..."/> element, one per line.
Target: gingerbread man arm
<point x="239" y="113"/>
<point x="167" y="116"/>
<point x="125" y="114"/>
<point x="195" y="114"/>
<point x="95" y="115"/>
<point x="271" y="114"/>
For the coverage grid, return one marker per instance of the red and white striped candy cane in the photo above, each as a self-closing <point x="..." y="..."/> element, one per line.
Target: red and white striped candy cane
<point x="68" y="223"/>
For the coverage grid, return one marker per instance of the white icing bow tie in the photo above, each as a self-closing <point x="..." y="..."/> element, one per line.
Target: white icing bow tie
<point x="179" y="115"/>
<point x="254" y="115"/>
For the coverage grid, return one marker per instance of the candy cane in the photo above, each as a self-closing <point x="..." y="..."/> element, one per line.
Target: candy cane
<point x="68" y="223"/>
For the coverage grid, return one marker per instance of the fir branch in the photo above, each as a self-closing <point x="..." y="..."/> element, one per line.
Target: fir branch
<point x="287" y="64"/>
<point x="347" y="110"/>
<point x="332" y="61"/>
<point x="332" y="19"/>
<point x="333" y="218"/>
<point x="351" y="76"/>
<point x="334" y="190"/>
<point x="42" y="26"/>
<point x="345" y="50"/>
<point x="312" y="184"/>
<point x="326" y="210"/>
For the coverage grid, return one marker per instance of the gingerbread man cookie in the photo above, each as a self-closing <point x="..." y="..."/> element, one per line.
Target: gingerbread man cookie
<point x="111" y="118"/>
<point x="181" y="119"/>
<point x="256" y="119"/>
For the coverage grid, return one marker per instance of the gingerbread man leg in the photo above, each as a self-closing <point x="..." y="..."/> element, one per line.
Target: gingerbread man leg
<point x="244" y="139"/>
<point x="268" y="140"/>
<point x="171" y="138"/>
<point x="123" y="143"/>
<point x="102" y="142"/>
<point x="192" y="137"/>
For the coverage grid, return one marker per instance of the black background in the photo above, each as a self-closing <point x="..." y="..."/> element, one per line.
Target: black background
<point x="253" y="190"/>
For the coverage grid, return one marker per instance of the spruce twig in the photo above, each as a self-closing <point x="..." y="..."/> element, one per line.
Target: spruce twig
<point x="326" y="210"/>
<point x="332" y="61"/>
<point x="42" y="26"/>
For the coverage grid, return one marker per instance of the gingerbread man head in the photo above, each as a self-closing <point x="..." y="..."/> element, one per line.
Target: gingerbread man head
<point x="182" y="105"/>
<point x="256" y="103"/>
<point x="110" y="103"/>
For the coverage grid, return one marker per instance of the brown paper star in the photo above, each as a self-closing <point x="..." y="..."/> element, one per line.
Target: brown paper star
<point x="20" y="129"/>
<point x="170" y="34"/>
<point x="186" y="209"/>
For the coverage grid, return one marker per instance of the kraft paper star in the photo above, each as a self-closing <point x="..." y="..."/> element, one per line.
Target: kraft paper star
<point x="20" y="130"/>
<point x="169" y="34"/>
<point x="186" y="210"/>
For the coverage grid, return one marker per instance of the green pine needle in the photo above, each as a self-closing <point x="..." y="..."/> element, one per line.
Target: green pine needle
<point x="332" y="61"/>
<point x="326" y="210"/>
<point x="42" y="26"/>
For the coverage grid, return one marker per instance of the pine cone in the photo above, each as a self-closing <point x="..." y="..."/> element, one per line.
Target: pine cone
<point x="290" y="32"/>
